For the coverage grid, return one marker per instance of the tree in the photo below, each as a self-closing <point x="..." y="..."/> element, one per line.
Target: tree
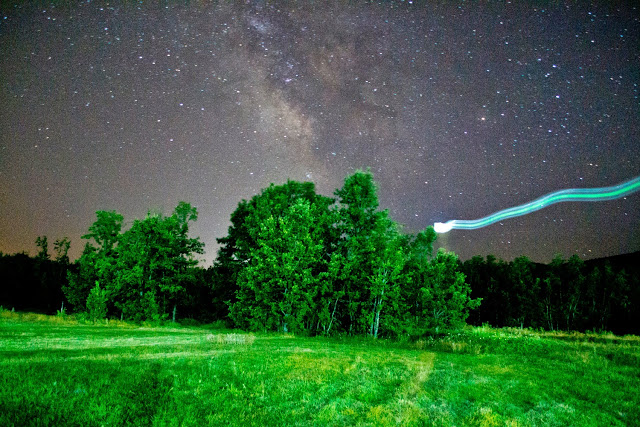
<point x="566" y="282"/>
<point x="615" y="298"/>
<point x="97" y="262"/>
<point x="105" y="231"/>
<point x="278" y="286"/>
<point x="445" y="296"/>
<point x="388" y="261"/>
<point x="479" y="278"/>
<point x="51" y="275"/>
<point x="144" y="271"/>
<point x="155" y="260"/>
<point x="523" y="293"/>
<point x="179" y="263"/>
<point x="239" y="247"/>
<point x="81" y="277"/>
<point x="574" y="281"/>
<point x="357" y="220"/>
<point x="43" y="244"/>
<point x="418" y="252"/>
<point x="97" y="303"/>
<point x="372" y="263"/>
<point x="61" y="246"/>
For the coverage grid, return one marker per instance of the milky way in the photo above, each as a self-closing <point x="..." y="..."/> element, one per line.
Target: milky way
<point x="460" y="111"/>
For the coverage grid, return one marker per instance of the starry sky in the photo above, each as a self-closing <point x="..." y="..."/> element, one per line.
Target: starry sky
<point x="459" y="109"/>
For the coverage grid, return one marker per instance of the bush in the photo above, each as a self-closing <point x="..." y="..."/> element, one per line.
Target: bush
<point x="97" y="303"/>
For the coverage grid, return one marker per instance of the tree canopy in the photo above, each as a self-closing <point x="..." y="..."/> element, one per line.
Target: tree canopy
<point x="298" y="261"/>
<point x="145" y="270"/>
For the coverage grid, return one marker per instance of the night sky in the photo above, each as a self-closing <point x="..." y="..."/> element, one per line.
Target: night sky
<point x="460" y="110"/>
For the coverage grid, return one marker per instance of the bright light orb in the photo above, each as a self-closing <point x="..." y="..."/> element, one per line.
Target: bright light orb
<point x="442" y="227"/>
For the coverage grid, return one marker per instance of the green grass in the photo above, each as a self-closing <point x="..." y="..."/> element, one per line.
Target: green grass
<point x="55" y="371"/>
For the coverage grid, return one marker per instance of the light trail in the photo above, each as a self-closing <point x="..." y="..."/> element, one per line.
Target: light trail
<point x="569" y="195"/>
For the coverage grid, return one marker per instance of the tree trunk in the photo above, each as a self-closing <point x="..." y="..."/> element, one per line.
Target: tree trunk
<point x="373" y="320"/>
<point x="375" y="332"/>
<point x="174" y="312"/>
<point x="335" y="305"/>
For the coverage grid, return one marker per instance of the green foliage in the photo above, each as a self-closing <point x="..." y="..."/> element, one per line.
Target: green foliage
<point x="388" y="283"/>
<point x="61" y="246"/>
<point x="97" y="262"/>
<point x="367" y="250"/>
<point x="418" y="250"/>
<point x="246" y="221"/>
<point x="43" y="244"/>
<point x="295" y="262"/>
<point x="445" y="296"/>
<point x="82" y="278"/>
<point x="522" y="304"/>
<point x="564" y="295"/>
<point x="144" y="271"/>
<point x="278" y="285"/>
<point x="97" y="303"/>
<point x="105" y="231"/>
<point x="382" y="290"/>
<point x="154" y="264"/>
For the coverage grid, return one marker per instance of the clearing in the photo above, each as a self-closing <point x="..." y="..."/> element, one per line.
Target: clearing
<point x="56" y="371"/>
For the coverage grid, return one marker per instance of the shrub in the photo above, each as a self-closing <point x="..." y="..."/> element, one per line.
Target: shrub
<point x="97" y="303"/>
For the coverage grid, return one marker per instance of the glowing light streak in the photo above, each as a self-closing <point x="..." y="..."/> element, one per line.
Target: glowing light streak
<point x="569" y="195"/>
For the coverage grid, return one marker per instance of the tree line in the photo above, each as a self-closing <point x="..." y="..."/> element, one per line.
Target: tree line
<point x="35" y="283"/>
<point x="297" y="261"/>
<point x="596" y="295"/>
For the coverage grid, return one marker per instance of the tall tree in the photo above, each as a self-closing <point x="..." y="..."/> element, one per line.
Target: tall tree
<point x="280" y="283"/>
<point x="357" y="221"/>
<point x="383" y="286"/>
<point x="105" y="231"/>
<point x="82" y="278"/>
<point x="524" y="307"/>
<point x="418" y="252"/>
<point x="98" y="259"/>
<point x="155" y="264"/>
<point x="61" y="247"/>
<point x="446" y="301"/>
<point x="238" y="247"/>
<point x="574" y="281"/>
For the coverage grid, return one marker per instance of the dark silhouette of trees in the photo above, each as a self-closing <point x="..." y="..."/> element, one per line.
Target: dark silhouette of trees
<point x="33" y="283"/>
<point x="565" y="295"/>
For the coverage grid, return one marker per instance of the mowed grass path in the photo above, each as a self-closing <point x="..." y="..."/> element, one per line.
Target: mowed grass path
<point x="56" y="372"/>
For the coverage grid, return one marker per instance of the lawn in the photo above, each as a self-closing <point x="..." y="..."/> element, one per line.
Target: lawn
<point x="56" y="371"/>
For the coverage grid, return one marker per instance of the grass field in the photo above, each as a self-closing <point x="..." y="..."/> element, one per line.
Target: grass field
<point x="58" y="372"/>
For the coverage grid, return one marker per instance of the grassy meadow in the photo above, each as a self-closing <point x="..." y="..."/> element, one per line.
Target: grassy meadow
<point x="55" y="371"/>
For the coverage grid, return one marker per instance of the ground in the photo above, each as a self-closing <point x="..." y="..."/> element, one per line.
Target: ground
<point x="56" y="371"/>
